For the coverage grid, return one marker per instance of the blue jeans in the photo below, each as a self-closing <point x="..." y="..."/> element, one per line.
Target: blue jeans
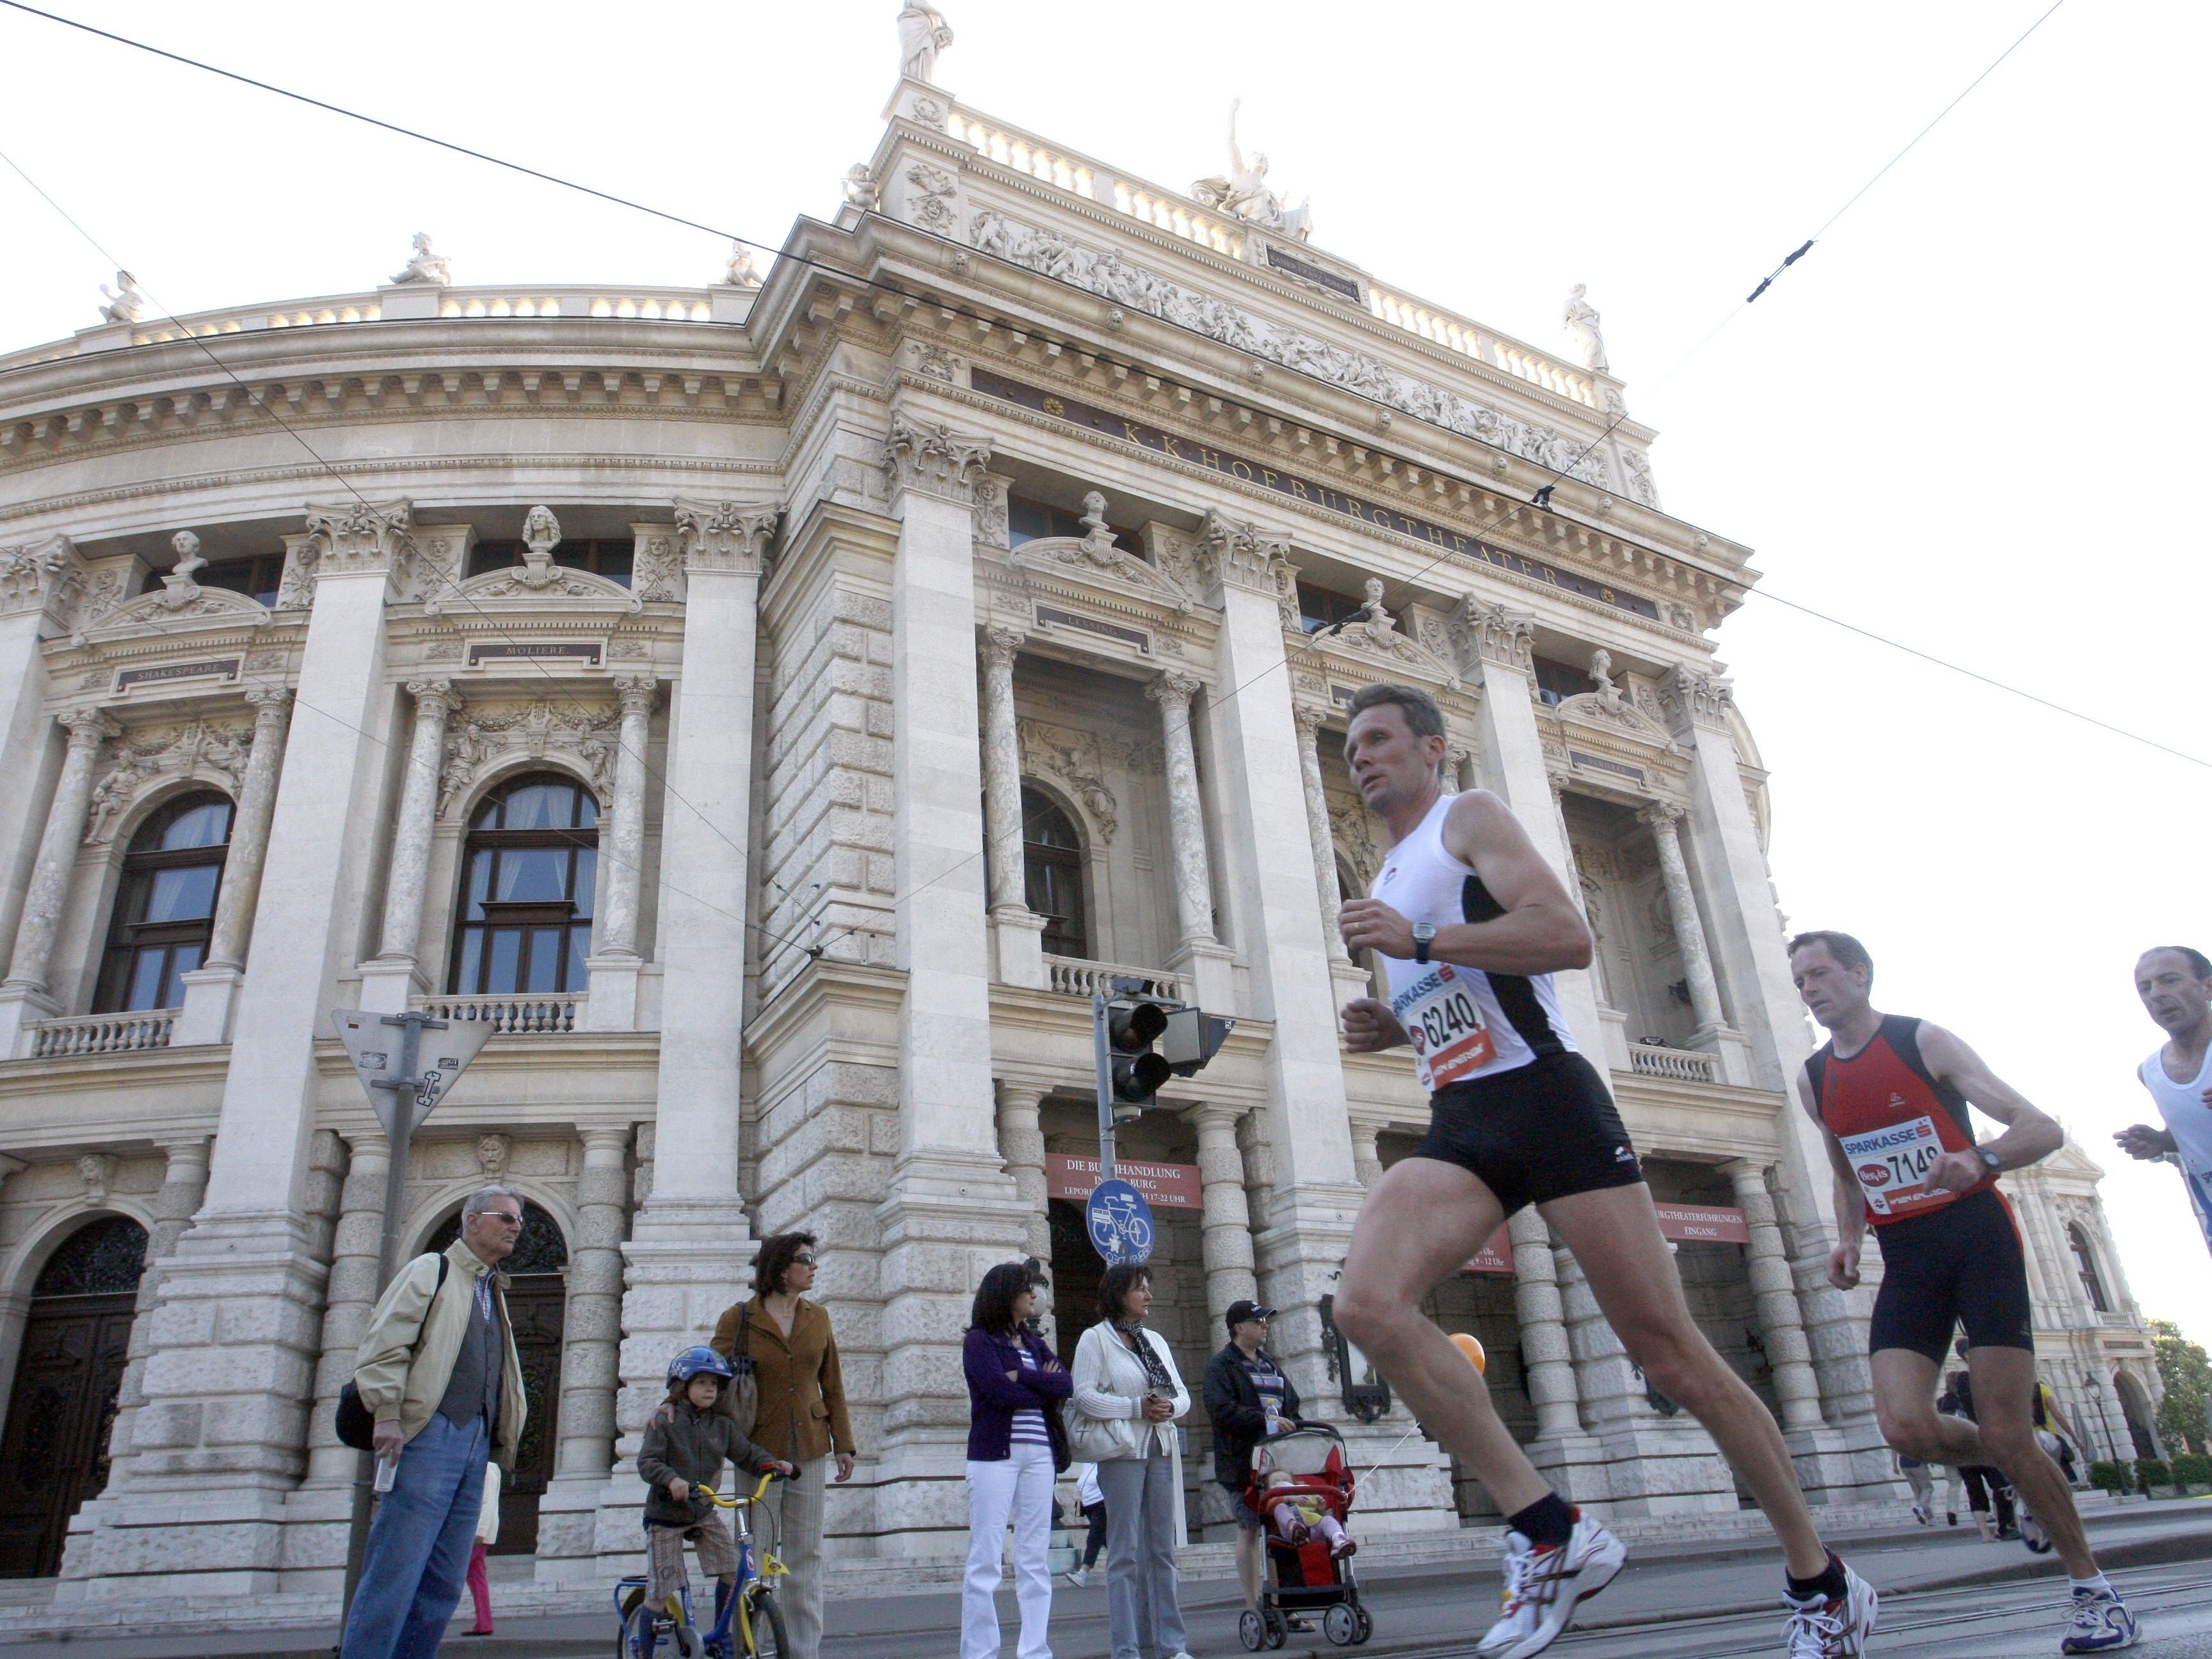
<point x="418" y="1548"/>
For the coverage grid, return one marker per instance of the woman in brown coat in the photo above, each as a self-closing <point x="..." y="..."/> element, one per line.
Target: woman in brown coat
<point x="802" y="1412"/>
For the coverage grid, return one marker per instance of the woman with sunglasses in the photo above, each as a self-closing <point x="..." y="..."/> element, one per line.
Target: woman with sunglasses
<point x="802" y="1416"/>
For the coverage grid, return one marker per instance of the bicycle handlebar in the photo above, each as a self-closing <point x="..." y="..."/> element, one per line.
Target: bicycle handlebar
<point x="721" y="1502"/>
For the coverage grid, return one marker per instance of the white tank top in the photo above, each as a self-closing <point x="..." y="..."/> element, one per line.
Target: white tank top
<point x="2182" y="1105"/>
<point x="1518" y="1015"/>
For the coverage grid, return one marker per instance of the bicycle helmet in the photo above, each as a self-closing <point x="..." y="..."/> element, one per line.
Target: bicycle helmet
<point x="698" y="1362"/>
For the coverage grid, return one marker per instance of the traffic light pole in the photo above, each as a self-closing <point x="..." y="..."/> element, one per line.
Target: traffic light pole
<point x="405" y="1089"/>
<point x="1101" y="1053"/>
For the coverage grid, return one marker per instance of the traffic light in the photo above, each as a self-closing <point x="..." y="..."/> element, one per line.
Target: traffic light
<point x="1190" y="1038"/>
<point x="1131" y="1030"/>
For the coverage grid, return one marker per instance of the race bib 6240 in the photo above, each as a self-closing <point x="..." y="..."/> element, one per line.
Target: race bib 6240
<point x="1439" y="1012"/>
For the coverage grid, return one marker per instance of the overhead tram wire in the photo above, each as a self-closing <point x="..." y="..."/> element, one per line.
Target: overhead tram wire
<point x="1556" y="474"/>
<point x="423" y="563"/>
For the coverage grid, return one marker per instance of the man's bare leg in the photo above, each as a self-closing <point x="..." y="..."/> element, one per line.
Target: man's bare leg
<point x="1423" y="1221"/>
<point x="2004" y="1394"/>
<point x="1615" y="1234"/>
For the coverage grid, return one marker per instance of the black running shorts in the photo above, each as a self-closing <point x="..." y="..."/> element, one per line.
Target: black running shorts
<point x="1546" y="1130"/>
<point x="1961" y="1265"/>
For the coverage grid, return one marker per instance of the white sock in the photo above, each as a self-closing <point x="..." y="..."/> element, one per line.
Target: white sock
<point x="2101" y="1584"/>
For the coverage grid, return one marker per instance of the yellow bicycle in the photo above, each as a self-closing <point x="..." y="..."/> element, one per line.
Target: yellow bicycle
<point x="752" y="1624"/>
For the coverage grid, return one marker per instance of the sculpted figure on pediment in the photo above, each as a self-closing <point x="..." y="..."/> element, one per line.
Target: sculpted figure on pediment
<point x="199" y="748"/>
<point x="1131" y="288"/>
<point x="923" y="34"/>
<point x="1377" y="632"/>
<point x="1243" y="191"/>
<point x="1071" y="758"/>
<point x="1096" y="552"/>
<point x="478" y="738"/>
<point x="126" y="302"/>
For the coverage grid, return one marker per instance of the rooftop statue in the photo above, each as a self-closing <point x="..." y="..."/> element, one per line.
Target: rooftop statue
<point x="742" y="271"/>
<point x="125" y="304"/>
<point x="860" y="188"/>
<point x="922" y="35"/>
<point x="424" y="266"/>
<point x="1580" y="318"/>
<point x="1244" y="192"/>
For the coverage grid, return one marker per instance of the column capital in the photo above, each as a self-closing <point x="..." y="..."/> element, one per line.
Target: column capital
<point x="732" y="536"/>
<point x="1657" y="812"/>
<point x="602" y="1138"/>
<point x="924" y="456"/>
<point x="1697" y="698"/>
<point x="1001" y="645"/>
<point x="1173" y="687"/>
<point x="90" y="727"/>
<point x="36" y="574"/>
<point x="1236" y="553"/>
<point x="434" y="696"/>
<point x="269" y="701"/>
<point x="636" y="693"/>
<point x="1019" y="1092"/>
<point x="1310" y="718"/>
<point x="1203" y="1114"/>
<point x="1490" y="633"/>
<point x="359" y="535"/>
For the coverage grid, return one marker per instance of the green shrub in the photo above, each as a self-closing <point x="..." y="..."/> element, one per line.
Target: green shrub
<point x="2152" y="1472"/>
<point x="2109" y="1477"/>
<point x="2192" y="1469"/>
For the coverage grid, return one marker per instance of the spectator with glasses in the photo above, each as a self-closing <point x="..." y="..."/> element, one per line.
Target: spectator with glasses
<point x="802" y="1417"/>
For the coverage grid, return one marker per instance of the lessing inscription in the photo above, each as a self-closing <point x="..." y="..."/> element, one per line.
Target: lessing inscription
<point x="227" y="668"/>
<point x="1601" y="764"/>
<point x="1328" y="279"/>
<point x="1045" y="613"/>
<point x="1305" y="489"/>
<point x="583" y="651"/>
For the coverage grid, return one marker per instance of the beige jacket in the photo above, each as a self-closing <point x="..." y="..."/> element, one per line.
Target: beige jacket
<point x="400" y="1382"/>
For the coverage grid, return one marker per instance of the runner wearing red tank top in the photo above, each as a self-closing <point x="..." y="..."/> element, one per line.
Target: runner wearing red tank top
<point x="1890" y="1095"/>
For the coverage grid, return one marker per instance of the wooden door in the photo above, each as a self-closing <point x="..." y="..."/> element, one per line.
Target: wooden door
<point x="53" y="1455"/>
<point x="537" y="1305"/>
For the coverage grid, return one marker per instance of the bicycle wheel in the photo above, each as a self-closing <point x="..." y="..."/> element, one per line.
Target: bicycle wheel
<point x="764" y="1633"/>
<point x="640" y="1635"/>
<point x="690" y="1644"/>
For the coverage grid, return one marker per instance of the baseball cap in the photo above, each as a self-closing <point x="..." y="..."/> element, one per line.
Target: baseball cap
<point x="1240" y="1311"/>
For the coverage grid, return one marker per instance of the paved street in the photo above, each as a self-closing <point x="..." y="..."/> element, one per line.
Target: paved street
<point x="1946" y="1593"/>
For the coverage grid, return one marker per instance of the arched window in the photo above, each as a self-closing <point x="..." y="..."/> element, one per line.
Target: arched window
<point x="2085" y="1263"/>
<point x="1051" y="875"/>
<point x="526" y="879"/>
<point x="165" y="909"/>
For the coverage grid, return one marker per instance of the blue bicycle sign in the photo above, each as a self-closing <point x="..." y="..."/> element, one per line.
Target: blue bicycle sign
<point x="1120" y="1222"/>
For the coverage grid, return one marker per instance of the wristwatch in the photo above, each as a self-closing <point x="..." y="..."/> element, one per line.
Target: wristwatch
<point x="1425" y="935"/>
<point x="1991" y="1161"/>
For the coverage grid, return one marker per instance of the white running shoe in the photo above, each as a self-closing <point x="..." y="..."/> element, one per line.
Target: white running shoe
<point x="1077" y="1577"/>
<point x="1824" y="1627"/>
<point x="1920" y="1514"/>
<point x="2032" y="1534"/>
<point x="2101" y="1623"/>
<point x="1543" y="1587"/>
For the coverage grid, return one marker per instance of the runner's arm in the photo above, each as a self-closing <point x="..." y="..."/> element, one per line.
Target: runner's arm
<point x="1541" y="931"/>
<point x="2030" y="1134"/>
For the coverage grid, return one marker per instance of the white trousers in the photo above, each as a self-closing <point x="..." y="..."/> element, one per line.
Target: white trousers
<point x="1019" y="1490"/>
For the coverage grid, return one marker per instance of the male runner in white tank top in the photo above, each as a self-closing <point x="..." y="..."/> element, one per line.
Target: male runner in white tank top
<point x="2175" y="983"/>
<point x="1471" y="924"/>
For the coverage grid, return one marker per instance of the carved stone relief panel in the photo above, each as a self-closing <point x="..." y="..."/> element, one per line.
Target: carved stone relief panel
<point x="479" y="737"/>
<point x="144" y="757"/>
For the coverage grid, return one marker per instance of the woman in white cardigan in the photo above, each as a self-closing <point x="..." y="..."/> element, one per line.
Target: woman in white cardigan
<point x="1127" y="1399"/>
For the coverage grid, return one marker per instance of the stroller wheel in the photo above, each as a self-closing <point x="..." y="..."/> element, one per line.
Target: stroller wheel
<point x="1366" y="1624"/>
<point x="1340" y="1625"/>
<point x="1251" y="1632"/>
<point x="1278" y="1629"/>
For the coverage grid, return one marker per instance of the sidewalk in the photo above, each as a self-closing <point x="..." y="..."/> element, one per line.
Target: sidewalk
<point x="1416" y="1605"/>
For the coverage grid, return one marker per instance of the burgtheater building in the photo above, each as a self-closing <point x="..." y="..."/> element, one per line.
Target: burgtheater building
<point x="775" y="707"/>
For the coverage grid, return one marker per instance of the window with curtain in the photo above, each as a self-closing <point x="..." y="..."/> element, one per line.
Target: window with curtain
<point x="165" y="907"/>
<point x="527" y="871"/>
<point x="1051" y="875"/>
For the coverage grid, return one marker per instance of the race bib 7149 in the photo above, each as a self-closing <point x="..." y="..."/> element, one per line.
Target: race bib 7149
<point x="1440" y="1014"/>
<point x="1892" y="1166"/>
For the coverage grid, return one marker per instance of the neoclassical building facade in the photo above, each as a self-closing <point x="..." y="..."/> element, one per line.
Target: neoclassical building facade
<point x="775" y="707"/>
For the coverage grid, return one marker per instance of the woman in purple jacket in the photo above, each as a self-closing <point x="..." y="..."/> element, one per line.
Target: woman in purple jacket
<point x="1015" y="1446"/>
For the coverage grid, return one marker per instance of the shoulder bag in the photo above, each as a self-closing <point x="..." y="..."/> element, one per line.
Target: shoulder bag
<point x="740" y="1398"/>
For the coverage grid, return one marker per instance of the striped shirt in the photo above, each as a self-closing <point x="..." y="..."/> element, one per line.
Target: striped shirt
<point x="1029" y="1428"/>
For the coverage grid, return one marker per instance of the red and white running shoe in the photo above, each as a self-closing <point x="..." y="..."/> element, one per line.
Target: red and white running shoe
<point x="1543" y="1587"/>
<point x="1832" y="1627"/>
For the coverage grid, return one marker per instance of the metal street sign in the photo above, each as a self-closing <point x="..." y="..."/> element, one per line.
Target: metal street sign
<point x="377" y="1048"/>
<point x="1120" y="1222"/>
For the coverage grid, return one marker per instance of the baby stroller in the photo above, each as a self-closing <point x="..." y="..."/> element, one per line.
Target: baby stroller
<point x="1303" y="1465"/>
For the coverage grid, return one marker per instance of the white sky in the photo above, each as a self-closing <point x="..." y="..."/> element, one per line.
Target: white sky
<point x="1950" y="423"/>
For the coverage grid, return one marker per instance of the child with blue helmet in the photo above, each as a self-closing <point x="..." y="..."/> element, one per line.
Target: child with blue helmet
<point x="686" y="1447"/>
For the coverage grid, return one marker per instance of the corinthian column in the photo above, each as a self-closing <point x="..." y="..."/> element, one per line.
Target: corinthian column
<point x="615" y="960"/>
<point x="590" y="1361"/>
<point x="23" y="995"/>
<point x="1317" y="831"/>
<point x="211" y="989"/>
<point x="1665" y="819"/>
<point x="1781" y="1321"/>
<point x="387" y="980"/>
<point x="1016" y="930"/>
<point x="1197" y="952"/>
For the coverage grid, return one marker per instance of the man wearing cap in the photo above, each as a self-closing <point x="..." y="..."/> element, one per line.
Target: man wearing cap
<point x="1248" y="1398"/>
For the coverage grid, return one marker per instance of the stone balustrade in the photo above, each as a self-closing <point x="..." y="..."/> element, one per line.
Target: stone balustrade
<point x="511" y="1015"/>
<point x="1070" y="977"/>
<point x="1022" y="153"/>
<point x="1173" y="213"/>
<point x="103" y="1033"/>
<point x="1472" y="340"/>
<point x="1679" y="1065"/>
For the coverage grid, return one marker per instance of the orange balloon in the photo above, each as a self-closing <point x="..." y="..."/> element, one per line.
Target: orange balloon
<point x="1472" y="1347"/>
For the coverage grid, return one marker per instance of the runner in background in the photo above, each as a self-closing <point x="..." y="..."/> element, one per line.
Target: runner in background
<point x="2175" y="984"/>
